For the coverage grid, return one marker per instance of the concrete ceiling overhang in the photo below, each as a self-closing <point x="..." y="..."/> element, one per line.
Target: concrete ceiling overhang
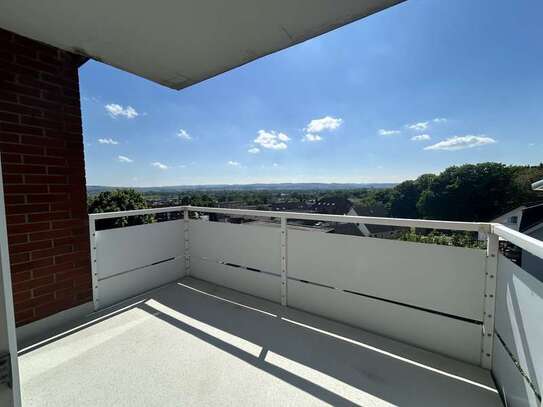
<point x="179" y="42"/>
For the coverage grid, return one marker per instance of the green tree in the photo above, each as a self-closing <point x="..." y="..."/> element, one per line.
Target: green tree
<point x="115" y="201"/>
<point x="469" y="192"/>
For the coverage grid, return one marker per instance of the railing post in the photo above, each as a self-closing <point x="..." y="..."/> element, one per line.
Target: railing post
<point x="187" y="252"/>
<point x="491" y="271"/>
<point x="94" y="265"/>
<point x="284" y="279"/>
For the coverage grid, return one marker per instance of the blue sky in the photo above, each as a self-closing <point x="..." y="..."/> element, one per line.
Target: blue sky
<point x="464" y="76"/>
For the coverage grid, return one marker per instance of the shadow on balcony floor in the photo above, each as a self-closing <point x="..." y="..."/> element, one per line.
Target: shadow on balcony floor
<point x="194" y="343"/>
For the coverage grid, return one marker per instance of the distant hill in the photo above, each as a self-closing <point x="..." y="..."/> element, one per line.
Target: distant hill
<point x="94" y="189"/>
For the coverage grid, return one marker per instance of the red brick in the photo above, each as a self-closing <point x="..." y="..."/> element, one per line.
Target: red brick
<point x="48" y="57"/>
<point x="15" y="199"/>
<point x="13" y="239"/>
<point x="83" y="280"/>
<point x="24" y="169"/>
<point x="51" y="288"/>
<point x="33" y="208"/>
<point x="84" y="296"/>
<point x="28" y="247"/>
<point x="34" y="283"/>
<point x="9" y="117"/>
<point x="20" y="277"/>
<point x="42" y="140"/>
<point x="39" y="103"/>
<point x="19" y="148"/>
<point x="55" y="189"/>
<point x="64" y="224"/>
<point x="69" y="240"/>
<point x="16" y="108"/>
<point x="36" y="65"/>
<point x="28" y="228"/>
<point x="15" y="219"/>
<point x="41" y="217"/>
<point x="22" y="90"/>
<point x="83" y="256"/>
<point x="24" y="316"/>
<point x="18" y="258"/>
<point x="50" y="234"/>
<point x="22" y="296"/>
<point x="53" y="269"/>
<point x="54" y="307"/>
<point x="9" y="138"/>
<point x="36" y="300"/>
<point x="20" y="129"/>
<point x="44" y="177"/>
<point x="11" y="158"/>
<point x="26" y="189"/>
<point x="39" y="254"/>
<point x="13" y="179"/>
<point x="31" y="265"/>
<point x="40" y="198"/>
<point x="7" y="96"/>
<point x="32" y="159"/>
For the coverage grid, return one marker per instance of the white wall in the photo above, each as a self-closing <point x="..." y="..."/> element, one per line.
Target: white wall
<point x="533" y="264"/>
<point x="518" y="344"/>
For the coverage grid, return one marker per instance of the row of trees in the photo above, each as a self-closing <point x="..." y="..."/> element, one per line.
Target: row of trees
<point x="115" y="201"/>
<point x="472" y="192"/>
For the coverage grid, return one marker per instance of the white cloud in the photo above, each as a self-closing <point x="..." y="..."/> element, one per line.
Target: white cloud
<point x="461" y="142"/>
<point x="384" y="132"/>
<point x="107" y="141"/>
<point x="183" y="134"/>
<point x="440" y="120"/>
<point x="234" y="163"/>
<point x="326" y="123"/>
<point x="115" y="110"/>
<point x="311" y="137"/>
<point x="124" y="159"/>
<point x="421" y="126"/>
<point x="421" y="137"/>
<point x="159" y="165"/>
<point x="254" y="150"/>
<point x="272" y="140"/>
<point x="275" y="165"/>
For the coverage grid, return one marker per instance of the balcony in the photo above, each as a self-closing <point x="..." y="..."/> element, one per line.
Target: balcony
<point x="194" y="312"/>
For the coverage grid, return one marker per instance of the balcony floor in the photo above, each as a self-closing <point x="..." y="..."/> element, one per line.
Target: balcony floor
<point x="194" y="343"/>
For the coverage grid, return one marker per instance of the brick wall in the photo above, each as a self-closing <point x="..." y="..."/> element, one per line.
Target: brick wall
<point x="41" y="144"/>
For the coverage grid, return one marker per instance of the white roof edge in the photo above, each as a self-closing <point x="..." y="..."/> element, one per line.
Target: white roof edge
<point x="182" y="42"/>
<point x="538" y="186"/>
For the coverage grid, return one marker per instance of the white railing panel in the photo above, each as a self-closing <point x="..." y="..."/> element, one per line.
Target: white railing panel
<point x="119" y="250"/>
<point x="513" y="387"/>
<point x="250" y="282"/>
<point x="122" y="286"/>
<point x="258" y="247"/>
<point x="439" y="278"/>
<point x="448" y="336"/>
<point x="519" y="318"/>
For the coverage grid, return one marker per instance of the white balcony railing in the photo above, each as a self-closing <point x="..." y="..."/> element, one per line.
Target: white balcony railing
<point x="470" y="304"/>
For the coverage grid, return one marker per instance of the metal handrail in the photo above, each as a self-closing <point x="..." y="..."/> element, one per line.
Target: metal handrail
<point x="418" y="223"/>
<point x="523" y="241"/>
<point x="519" y="239"/>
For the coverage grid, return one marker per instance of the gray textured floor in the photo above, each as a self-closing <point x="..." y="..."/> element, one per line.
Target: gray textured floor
<point x="193" y="343"/>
